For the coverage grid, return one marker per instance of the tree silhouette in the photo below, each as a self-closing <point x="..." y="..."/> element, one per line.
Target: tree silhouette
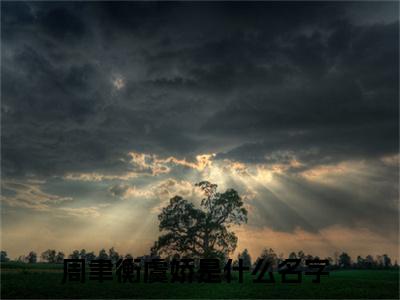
<point x="113" y="255"/>
<point x="369" y="261"/>
<point x="387" y="262"/>
<point x="3" y="256"/>
<point x="201" y="232"/>
<point x="90" y="256"/>
<point x="102" y="254"/>
<point x="245" y="256"/>
<point x="82" y="254"/>
<point x="269" y="256"/>
<point x="344" y="260"/>
<point x="128" y="256"/>
<point x="301" y="255"/>
<point x="49" y="255"/>
<point x="60" y="257"/>
<point x="75" y="254"/>
<point x="31" y="257"/>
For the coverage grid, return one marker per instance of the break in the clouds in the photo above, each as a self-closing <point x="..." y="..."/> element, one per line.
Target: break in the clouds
<point x="110" y="108"/>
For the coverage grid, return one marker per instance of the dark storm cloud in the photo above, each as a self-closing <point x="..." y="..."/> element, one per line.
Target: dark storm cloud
<point x="237" y="78"/>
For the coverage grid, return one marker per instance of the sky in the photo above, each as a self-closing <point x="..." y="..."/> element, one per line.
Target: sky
<point x="110" y="109"/>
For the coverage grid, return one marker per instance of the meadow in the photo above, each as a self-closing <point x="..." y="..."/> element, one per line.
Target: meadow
<point x="19" y="280"/>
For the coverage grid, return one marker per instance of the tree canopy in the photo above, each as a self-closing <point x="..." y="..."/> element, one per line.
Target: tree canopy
<point x="201" y="232"/>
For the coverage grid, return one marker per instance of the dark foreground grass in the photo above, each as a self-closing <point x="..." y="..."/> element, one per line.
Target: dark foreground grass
<point x="44" y="281"/>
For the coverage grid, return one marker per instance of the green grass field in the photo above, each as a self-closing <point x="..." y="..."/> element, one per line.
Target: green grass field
<point x="44" y="281"/>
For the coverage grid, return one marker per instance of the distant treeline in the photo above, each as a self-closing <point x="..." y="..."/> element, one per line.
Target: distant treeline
<point x="338" y="261"/>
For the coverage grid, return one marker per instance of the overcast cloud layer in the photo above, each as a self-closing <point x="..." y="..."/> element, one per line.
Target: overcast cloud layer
<point x="115" y="107"/>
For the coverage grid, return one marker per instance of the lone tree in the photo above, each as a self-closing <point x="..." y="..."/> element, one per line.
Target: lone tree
<point x="201" y="232"/>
